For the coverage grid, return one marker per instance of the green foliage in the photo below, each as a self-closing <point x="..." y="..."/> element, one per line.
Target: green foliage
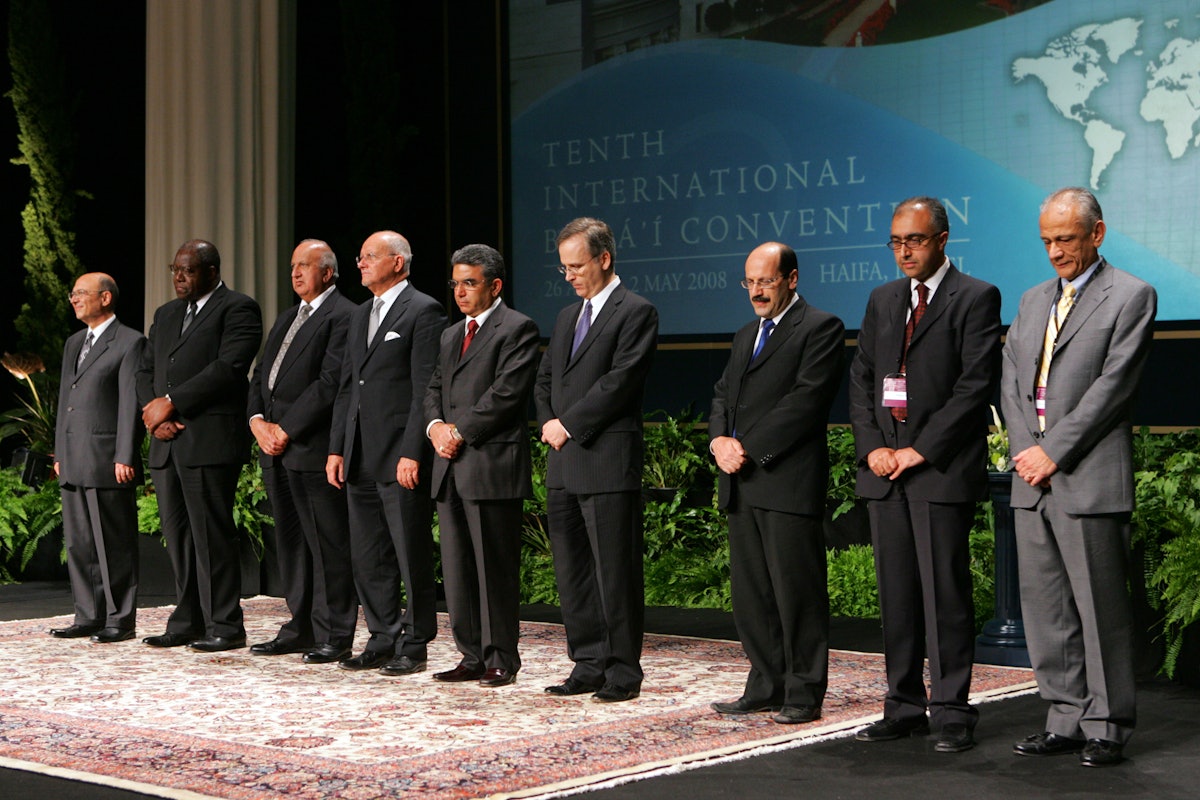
<point x="45" y="141"/>
<point x="843" y="469"/>
<point x="853" y="591"/>
<point x="673" y="450"/>
<point x="997" y="442"/>
<point x="686" y="554"/>
<point x="26" y="516"/>
<point x="34" y="418"/>
<point x="982" y="545"/>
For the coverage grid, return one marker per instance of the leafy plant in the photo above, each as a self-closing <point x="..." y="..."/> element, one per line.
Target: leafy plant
<point x="26" y="516"/>
<point x="843" y="469"/>
<point x="672" y="450"/>
<point x="853" y="590"/>
<point x="999" y="459"/>
<point x="34" y="418"/>
<point x="982" y="544"/>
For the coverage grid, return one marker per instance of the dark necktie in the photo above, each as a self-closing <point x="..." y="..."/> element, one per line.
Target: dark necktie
<point x="188" y="317"/>
<point x="582" y="327"/>
<point x="83" y="351"/>
<point x="767" y="326"/>
<point x="472" y="326"/>
<point x="900" y="413"/>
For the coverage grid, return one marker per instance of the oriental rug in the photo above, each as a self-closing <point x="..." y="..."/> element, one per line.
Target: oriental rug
<point x="181" y="724"/>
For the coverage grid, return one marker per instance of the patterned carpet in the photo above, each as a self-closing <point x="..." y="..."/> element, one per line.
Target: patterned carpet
<point x="180" y="724"/>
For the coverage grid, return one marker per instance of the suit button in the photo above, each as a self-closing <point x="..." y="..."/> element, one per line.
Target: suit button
<point x="1028" y="397"/>
<point x="361" y="383"/>
<point x="72" y="386"/>
<point x="171" y="360"/>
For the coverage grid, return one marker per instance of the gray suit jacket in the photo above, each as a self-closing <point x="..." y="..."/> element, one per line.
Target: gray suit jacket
<point x="486" y="395"/>
<point x="1094" y="373"/>
<point x="99" y="418"/>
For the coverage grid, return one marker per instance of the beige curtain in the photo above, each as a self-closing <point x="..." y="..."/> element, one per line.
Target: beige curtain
<point x="220" y="108"/>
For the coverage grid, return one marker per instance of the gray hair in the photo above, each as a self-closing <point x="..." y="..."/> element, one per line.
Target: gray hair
<point x="481" y="255"/>
<point x="937" y="211"/>
<point x="1081" y="199"/>
<point x="398" y="246"/>
<point x="328" y="259"/>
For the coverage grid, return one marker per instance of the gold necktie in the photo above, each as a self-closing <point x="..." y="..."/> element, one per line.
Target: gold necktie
<point x="1052" y="328"/>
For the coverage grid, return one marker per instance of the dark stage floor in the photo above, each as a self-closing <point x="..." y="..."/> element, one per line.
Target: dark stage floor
<point x="1164" y="756"/>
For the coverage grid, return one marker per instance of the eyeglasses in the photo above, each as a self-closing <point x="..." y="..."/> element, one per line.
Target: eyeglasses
<point x="470" y="284"/>
<point x="575" y="269"/>
<point x="914" y="242"/>
<point x="373" y="257"/>
<point x="761" y="283"/>
<point x="74" y="293"/>
<point x="188" y="271"/>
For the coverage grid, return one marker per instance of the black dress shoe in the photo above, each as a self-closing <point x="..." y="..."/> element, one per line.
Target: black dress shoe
<point x="1101" y="753"/>
<point x="402" y="665"/>
<point x="611" y="693"/>
<point x="886" y="729"/>
<point x="218" y="644"/>
<point x="793" y="715"/>
<point x="954" y="738"/>
<point x="744" y="706"/>
<point x="326" y="654"/>
<point x="459" y="674"/>
<point x="1048" y="744"/>
<point x="278" y="648"/>
<point x="496" y="677"/>
<point x="172" y="639"/>
<point x="74" y="631"/>
<point x="367" y="659"/>
<point x="108" y="635"/>
<point x="571" y="687"/>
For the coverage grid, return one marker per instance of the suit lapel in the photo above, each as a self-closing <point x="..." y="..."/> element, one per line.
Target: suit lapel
<point x="399" y="306"/>
<point x="303" y="336"/>
<point x="482" y="336"/>
<point x="779" y="335"/>
<point x="601" y="319"/>
<point x="1095" y="293"/>
<point x="203" y="316"/>
<point x="937" y="306"/>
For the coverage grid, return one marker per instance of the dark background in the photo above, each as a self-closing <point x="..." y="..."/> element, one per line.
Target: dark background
<point x="400" y="124"/>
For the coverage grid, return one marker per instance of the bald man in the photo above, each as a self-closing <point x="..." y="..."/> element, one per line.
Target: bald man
<point x="98" y="460"/>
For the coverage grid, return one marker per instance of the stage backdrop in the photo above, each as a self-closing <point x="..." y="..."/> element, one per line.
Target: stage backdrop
<point x="695" y="148"/>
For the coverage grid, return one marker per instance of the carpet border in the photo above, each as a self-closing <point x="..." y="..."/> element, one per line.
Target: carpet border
<point x="96" y="779"/>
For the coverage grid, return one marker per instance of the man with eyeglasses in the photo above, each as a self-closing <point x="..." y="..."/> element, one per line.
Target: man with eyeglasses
<point x="927" y="363"/>
<point x="290" y="410"/>
<point x="379" y="453"/>
<point x="767" y="433"/>
<point x="588" y="396"/>
<point x="98" y="461"/>
<point x="475" y="412"/>
<point x="192" y="386"/>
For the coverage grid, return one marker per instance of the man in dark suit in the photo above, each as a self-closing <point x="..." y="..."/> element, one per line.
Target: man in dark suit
<point x="379" y="451"/>
<point x="475" y="412"/>
<point x="767" y="432"/>
<point x="1072" y="362"/>
<point x="192" y="386"/>
<point x="98" y="461"/>
<point x="588" y="395"/>
<point x="928" y="359"/>
<point x="291" y="409"/>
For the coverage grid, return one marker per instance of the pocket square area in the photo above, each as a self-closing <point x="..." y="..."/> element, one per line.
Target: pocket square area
<point x="391" y="336"/>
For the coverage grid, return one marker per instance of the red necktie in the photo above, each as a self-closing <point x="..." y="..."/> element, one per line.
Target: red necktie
<point x="900" y="413"/>
<point x="472" y="326"/>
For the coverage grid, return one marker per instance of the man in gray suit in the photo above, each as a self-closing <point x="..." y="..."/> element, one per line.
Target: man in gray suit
<point x="98" y="460"/>
<point x="1072" y="361"/>
<point x="588" y="395"/>
<point x="475" y="411"/>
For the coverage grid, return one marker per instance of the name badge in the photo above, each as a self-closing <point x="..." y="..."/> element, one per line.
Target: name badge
<point x="895" y="390"/>
<point x="1040" y="402"/>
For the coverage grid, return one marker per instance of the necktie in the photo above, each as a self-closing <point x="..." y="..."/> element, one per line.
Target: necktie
<point x="472" y="326"/>
<point x="767" y="326"/>
<point x="900" y="413"/>
<point x="188" y="317"/>
<point x="582" y="327"/>
<point x="1052" y="328"/>
<point x="83" y="351"/>
<point x="305" y="310"/>
<point x="373" y="322"/>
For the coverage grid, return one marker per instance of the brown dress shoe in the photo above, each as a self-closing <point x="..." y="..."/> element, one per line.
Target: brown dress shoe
<point x="496" y="676"/>
<point x="459" y="674"/>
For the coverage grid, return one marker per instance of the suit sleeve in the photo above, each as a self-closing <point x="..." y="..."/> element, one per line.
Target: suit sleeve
<point x="1011" y="407"/>
<point x="432" y="407"/>
<point x="803" y="412"/>
<point x="129" y="415"/>
<point x="718" y="412"/>
<point x="868" y="436"/>
<point x="942" y="436"/>
<point x="610" y="397"/>
<point x="1106" y="401"/>
<point x="508" y="395"/>
<point x="145" y="373"/>
<point x="311" y="409"/>
<point x="241" y="337"/>
<point x="254" y="401"/>
<point x="427" y="336"/>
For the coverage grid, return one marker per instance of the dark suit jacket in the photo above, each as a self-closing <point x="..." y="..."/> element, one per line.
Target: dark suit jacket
<point x="1094" y="372"/>
<point x="204" y="371"/>
<point x="383" y="386"/>
<point x="597" y="394"/>
<point x="952" y="367"/>
<point x="779" y="406"/>
<point x="486" y="395"/>
<point x="307" y="383"/>
<point x="99" y="418"/>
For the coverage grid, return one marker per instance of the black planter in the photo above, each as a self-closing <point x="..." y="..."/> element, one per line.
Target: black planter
<point x="1003" y="639"/>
